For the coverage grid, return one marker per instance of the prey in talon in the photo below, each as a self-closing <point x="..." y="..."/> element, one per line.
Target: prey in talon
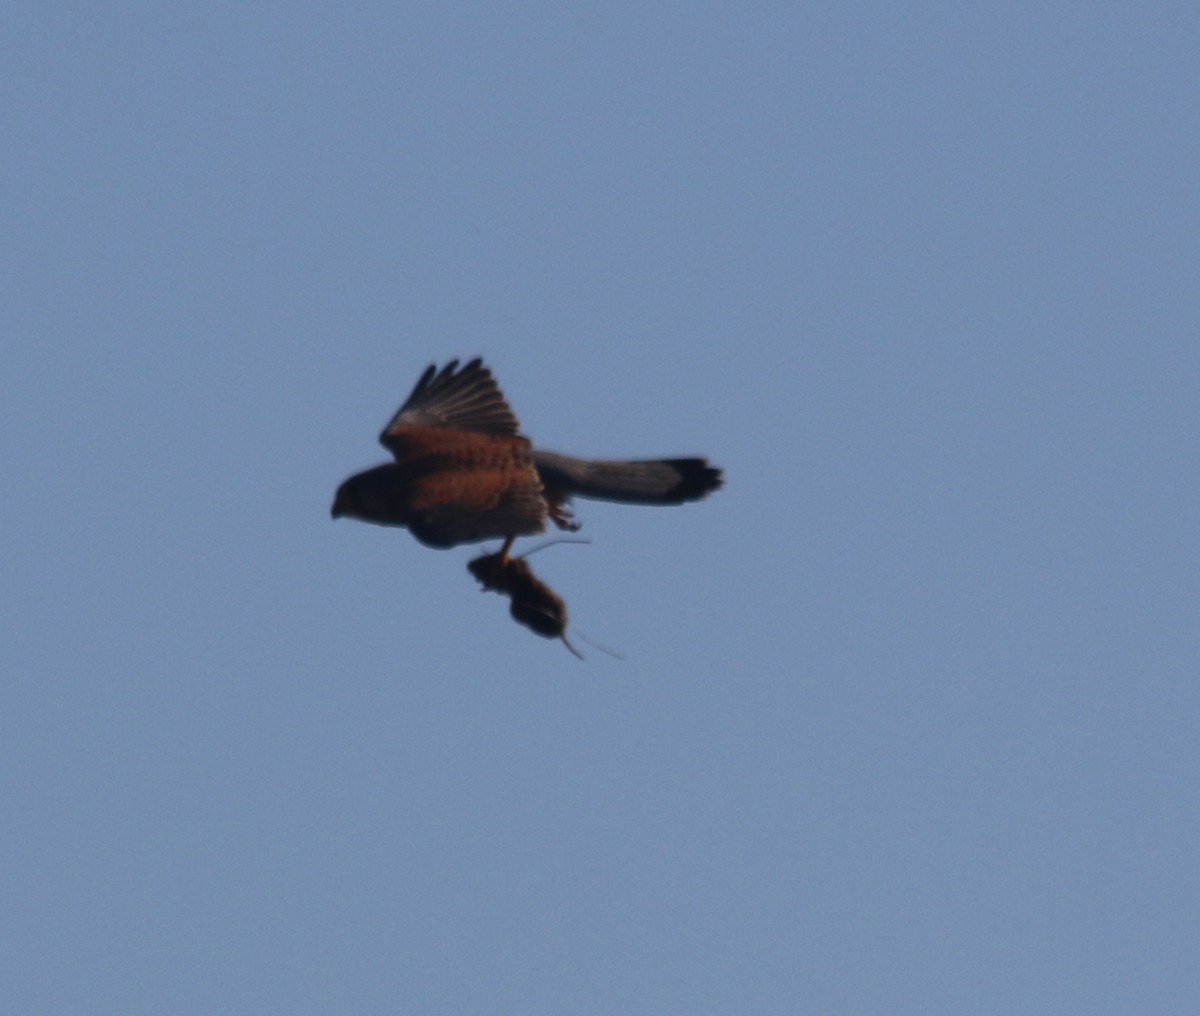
<point x="534" y="604"/>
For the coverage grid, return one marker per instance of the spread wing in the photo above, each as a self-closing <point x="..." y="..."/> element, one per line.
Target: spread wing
<point x="452" y="398"/>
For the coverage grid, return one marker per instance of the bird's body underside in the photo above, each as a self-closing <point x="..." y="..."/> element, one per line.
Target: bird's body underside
<point x="463" y="473"/>
<point x="454" y="486"/>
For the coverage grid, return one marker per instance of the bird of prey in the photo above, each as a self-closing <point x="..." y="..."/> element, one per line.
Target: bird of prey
<point x="463" y="472"/>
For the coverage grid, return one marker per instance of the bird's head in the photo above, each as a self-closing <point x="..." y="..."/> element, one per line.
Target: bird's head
<point x="347" y="500"/>
<point x="376" y="495"/>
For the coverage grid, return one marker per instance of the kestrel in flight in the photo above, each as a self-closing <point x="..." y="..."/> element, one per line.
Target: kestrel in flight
<point x="463" y="472"/>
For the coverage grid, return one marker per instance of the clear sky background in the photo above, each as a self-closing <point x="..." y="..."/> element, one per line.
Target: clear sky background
<point x="908" y="720"/>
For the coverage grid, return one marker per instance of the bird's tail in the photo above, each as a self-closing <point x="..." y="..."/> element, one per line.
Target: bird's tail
<point x="637" y="481"/>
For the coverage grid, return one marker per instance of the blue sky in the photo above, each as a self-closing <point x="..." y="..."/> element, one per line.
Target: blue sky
<point x="908" y="717"/>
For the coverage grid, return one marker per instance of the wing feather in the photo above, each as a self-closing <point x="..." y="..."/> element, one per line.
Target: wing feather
<point x="453" y="398"/>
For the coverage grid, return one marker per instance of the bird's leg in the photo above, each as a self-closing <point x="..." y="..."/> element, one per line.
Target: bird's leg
<point x="499" y="566"/>
<point x="494" y="570"/>
<point x="561" y="516"/>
